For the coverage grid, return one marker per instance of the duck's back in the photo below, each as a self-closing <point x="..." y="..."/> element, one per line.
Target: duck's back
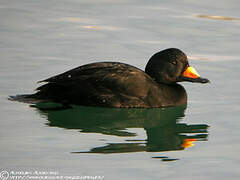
<point x="109" y="84"/>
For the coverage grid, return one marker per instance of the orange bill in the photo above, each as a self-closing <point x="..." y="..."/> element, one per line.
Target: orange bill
<point x="190" y="72"/>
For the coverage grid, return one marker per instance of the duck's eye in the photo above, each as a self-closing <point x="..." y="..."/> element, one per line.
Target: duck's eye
<point x="173" y="62"/>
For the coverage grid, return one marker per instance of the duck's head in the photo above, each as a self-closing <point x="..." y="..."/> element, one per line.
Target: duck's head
<point x="170" y="66"/>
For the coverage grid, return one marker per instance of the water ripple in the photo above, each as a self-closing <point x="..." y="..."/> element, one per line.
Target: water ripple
<point x="225" y="18"/>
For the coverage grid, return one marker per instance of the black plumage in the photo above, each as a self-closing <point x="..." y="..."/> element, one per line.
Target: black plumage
<point x="115" y="84"/>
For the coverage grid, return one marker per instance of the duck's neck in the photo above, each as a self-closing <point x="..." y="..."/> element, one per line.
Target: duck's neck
<point x="174" y="94"/>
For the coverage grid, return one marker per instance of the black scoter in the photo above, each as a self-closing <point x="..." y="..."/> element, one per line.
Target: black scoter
<point x="115" y="84"/>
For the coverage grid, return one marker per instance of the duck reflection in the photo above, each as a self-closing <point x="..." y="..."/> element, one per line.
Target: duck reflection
<point x="163" y="129"/>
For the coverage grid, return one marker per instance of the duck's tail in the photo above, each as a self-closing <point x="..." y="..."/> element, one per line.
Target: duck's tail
<point x="26" y="98"/>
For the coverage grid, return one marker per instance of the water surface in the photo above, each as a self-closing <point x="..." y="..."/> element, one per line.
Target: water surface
<point x="39" y="39"/>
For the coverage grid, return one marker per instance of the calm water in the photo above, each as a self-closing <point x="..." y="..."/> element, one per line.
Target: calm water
<point x="39" y="39"/>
